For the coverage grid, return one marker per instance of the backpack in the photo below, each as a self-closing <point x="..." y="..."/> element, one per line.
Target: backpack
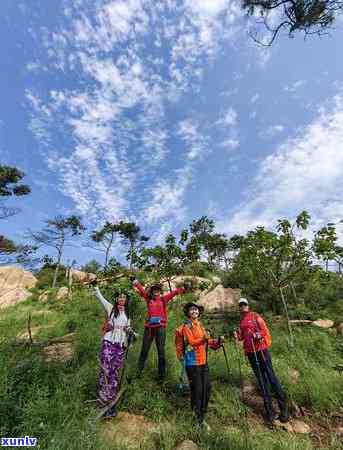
<point x="180" y="342"/>
<point x="106" y="326"/>
<point x="268" y="337"/>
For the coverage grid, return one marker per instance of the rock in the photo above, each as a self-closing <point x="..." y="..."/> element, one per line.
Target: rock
<point x="62" y="293"/>
<point x="187" y="445"/>
<point x="128" y="430"/>
<point x="284" y="426"/>
<point x="219" y="299"/>
<point x="293" y="426"/>
<point x="180" y="279"/>
<point x="14" y="282"/>
<point x="300" y="427"/>
<point x="216" y="279"/>
<point x="323" y="323"/>
<point x="250" y="396"/>
<point x="339" y="329"/>
<point x="78" y="275"/>
<point x="294" y="375"/>
<point x="43" y="297"/>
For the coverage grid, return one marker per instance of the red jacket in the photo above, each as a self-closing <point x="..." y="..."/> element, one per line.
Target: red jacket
<point x="157" y="315"/>
<point x="251" y="324"/>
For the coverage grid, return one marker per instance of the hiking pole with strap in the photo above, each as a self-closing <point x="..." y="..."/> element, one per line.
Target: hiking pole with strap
<point x="260" y="371"/>
<point x="121" y="390"/>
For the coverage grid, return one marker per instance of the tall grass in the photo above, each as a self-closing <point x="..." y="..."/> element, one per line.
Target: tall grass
<point x="51" y="400"/>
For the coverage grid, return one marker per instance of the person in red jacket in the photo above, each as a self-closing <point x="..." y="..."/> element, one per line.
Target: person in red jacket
<point x="155" y="323"/>
<point x="254" y="334"/>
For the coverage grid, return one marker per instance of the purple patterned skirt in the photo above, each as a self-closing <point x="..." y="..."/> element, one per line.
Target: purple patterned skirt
<point x="111" y="361"/>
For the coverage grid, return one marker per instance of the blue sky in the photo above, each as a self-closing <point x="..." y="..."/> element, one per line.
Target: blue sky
<point x="163" y="111"/>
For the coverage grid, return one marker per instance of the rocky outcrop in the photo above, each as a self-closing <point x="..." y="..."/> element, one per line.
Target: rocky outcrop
<point x="323" y="323"/>
<point x="219" y="299"/>
<point x="62" y="293"/>
<point x="187" y="445"/>
<point x="14" y="285"/>
<point x="82" y="277"/>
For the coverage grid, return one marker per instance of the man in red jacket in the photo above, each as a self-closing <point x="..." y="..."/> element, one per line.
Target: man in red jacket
<point x="155" y="323"/>
<point x="256" y="338"/>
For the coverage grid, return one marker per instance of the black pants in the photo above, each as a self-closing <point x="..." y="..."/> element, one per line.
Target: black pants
<point x="159" y="334"/>
<point x="261" y="364"/>
<point x="199" y="383"/>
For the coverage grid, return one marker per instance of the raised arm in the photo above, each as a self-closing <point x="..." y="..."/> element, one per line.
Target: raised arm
<point x="140" y="289"/>
<point x="173" y="293"/>
<point x="105" y="303"/>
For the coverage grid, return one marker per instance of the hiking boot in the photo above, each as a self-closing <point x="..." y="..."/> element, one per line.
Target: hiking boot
<point x="269" y="420"/>
<point x="284" y="415"/>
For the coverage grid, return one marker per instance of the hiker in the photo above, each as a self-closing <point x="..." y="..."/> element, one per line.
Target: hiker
<point x="155" y="323"/>
<point x="116" y="331"/>
<point x="192" y="342"/>
<point x="256" y="338"/>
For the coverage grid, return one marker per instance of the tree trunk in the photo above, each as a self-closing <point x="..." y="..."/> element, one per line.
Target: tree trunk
<point x="169" y="285"/>
<point x="131" y="254"/>
<point x="58" y="264"/>
<point x="291" y="340"/>
<point x="326" y="265"/>
<point x="108" y="249"/>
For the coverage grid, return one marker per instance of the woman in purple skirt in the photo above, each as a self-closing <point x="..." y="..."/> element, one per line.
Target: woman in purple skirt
<point x="114" y="344"/>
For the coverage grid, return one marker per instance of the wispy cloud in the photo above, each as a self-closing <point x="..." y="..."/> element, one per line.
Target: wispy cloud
<point x="271" y="131"/>
<point x="305" y="172"/>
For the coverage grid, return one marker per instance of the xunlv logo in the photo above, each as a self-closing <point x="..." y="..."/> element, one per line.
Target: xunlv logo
<point x="18" y="442"/>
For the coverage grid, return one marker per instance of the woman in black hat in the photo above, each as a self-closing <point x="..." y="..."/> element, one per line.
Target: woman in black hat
<point x="192" y="342"/>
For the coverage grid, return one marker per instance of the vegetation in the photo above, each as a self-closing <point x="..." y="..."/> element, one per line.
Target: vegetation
<point x="52" y="400"/>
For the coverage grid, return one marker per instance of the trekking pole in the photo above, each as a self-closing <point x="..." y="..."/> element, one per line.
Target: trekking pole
<point x="245" y="428"/>
<point x="226" y="360"/>
<point x="260" y="371"/>
<point x="120" y="389"/>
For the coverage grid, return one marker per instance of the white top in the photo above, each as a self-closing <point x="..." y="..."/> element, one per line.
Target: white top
<point x="120" y="323"/>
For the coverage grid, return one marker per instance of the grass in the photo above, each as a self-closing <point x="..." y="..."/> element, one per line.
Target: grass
<point x="50" y="400"/>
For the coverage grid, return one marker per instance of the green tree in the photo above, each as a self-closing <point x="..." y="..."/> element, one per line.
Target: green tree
<point x="105" y="237"/>
<point x="324" y="244"/>
<point x="93" y="266"/>
<point x="306" y="16"/>
<point x="166" y="261"/>
<point x="58" y="233"/>
<point x="11" y="185"/>
<point x="131" y="236"/>
<point x="268" y="262"/>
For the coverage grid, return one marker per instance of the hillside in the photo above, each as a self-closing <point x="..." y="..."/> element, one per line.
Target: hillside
<point x="47" y="389"/>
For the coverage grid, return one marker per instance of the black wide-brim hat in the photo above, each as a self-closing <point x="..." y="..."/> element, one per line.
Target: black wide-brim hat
<point x="189" y="305"/>
<point x="156" y="286"/>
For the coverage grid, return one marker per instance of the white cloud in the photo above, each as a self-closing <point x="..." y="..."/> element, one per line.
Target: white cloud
<point x="196" y="142"/>
<point x="271" y="131"/>
<point x="294" y="87"/>
<point x="228" y="118"/>
<point x="305" y="172"/>
<point x="230" y="144"/>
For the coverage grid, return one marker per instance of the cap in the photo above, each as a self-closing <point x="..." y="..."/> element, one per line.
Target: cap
<point x="243" y="301"/>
